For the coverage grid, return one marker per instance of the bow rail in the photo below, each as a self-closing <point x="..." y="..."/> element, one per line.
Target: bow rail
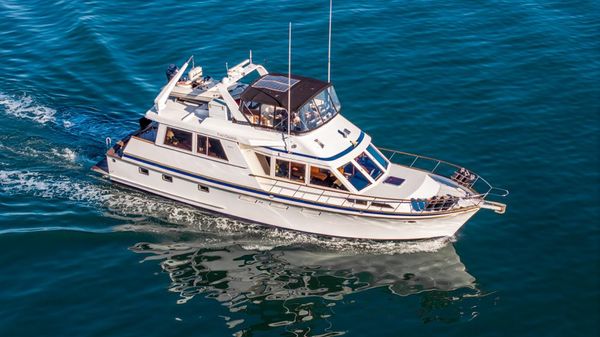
<point x="454" y="174"/>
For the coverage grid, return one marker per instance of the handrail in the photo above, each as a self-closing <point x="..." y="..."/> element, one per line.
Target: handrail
<point x="370" y="201"/>
<point x="473" y="198"/>
<point x="490" y="188"/>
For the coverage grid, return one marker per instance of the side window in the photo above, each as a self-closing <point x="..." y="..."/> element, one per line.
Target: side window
<point x="297" y="172"/>
<point x="201" y="146"/>
<point x="282" y="168"/>
<point x="380" y="158"/>
<point x="267" y="115"/>
<point x="290" y="170"/>
<point x="215" y="149"/>
<point x="357" y="179"/>
<point x="179" y="139"/>
<point x="368" y="165"/>
<point x="252" y="112"/>
<point x="323" y="177"/>
<point x="265" y="163"/>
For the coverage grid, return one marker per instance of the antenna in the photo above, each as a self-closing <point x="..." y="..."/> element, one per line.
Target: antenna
<point x="289" y="78"/>
<point x="329" y="47"/>
<point x="250" y="56"/>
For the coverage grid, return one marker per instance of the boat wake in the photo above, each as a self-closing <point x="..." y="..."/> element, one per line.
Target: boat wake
<point x="25" y="107"/>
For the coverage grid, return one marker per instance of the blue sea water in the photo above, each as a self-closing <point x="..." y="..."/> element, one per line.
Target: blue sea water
<point x="510" y="89"/>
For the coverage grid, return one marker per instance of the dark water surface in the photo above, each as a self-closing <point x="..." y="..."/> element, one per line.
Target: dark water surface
<point x="510" y="89"/>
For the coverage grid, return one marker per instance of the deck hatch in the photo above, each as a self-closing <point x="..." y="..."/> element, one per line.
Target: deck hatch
<point x="394" y="181"/>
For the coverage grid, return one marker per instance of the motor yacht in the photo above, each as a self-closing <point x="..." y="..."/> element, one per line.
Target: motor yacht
<point x="275" y="149"/>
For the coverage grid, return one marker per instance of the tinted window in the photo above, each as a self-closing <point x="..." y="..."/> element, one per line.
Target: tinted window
<point x="290" y="170"/>
<point x="202" y="145"/>
<point x="215" y="149"/>
<point x="179" y="139"/>
<point x="368" y="165"/>
<point x="282" y="168"/>
<point x="297" y="172"/>
<point x="357" y="179"/>
<point x="324" y="177"/>
<point x="378" y="156"/>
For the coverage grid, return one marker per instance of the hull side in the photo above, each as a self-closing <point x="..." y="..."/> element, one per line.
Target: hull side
<point x="285" y="215"/>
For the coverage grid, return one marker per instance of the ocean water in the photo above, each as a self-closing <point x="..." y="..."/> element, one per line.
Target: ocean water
<point x="510" y="89"/>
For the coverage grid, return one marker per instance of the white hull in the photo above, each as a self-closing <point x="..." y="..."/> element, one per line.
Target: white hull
<point x="285" y="213"/>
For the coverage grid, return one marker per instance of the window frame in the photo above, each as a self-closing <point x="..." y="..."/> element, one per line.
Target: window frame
<point x="206" y="153"/>
<point x="224" y="158"/>
<point x="170" y="128"/>
<point x="289" y="175"/>
<point x="377" y="167"/>
<point x="269" y="162"/>
<point x="309" y="179"/>
<point x="357" y="169"/>
<point x="380" y="155"/>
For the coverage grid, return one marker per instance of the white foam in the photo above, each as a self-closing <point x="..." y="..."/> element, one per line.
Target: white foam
<point x="49" y="186"/>
<point x="56" y="156"/>
<point x="24" y="107"/>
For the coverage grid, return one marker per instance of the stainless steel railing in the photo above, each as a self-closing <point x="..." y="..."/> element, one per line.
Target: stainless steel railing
<point x="441" y="168"/>
<point x="361" y="202"/>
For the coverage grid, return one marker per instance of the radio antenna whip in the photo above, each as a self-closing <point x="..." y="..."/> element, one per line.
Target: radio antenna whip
<point x="329" y="47"/>
<point x="289" y="105"/>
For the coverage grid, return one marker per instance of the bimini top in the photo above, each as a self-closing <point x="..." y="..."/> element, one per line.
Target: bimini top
<point x="313" y="103"/>
<point x="272" y="89"/>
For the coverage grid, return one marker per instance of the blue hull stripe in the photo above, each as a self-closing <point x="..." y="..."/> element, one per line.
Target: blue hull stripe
<point x="251" y="190"/>
<point x="334" y="157"/>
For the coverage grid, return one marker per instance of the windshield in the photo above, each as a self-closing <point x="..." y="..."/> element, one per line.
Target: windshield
<point x="380" y="158"/>
<point x="357" y="179"/>
<point x="368" y="165"/>
<point x="317" y="111"/>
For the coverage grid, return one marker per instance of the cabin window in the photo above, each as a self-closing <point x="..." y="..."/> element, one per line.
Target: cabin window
<point x="215" y="149"/>
<point x="357" y="179"/>
<point x="211" y="147"/>
<point x="369" y="165"/>
<point x="324" y="177"/>
<point x="378" y="156"/>
<point x="179" y="139"/>
<point x="167" y="178"/>
<point x="265" y="163"/>
<point x="201" y="146"/>
<point x="143" y="171"/>
<point x="203" y="188"/>
<point x="290" y="170"/>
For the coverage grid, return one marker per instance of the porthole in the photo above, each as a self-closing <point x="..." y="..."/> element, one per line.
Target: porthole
<point x="143" y="171"/>
<point x="167" y="178"/>
<point x="203" y="188"/>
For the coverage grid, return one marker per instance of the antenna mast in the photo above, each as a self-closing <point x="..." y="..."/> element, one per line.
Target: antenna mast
<point x="329" y="48"/>
<point x="289" y="79"/>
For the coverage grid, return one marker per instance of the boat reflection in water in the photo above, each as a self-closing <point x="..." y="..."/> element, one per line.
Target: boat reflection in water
<point x="297" y="287"/>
